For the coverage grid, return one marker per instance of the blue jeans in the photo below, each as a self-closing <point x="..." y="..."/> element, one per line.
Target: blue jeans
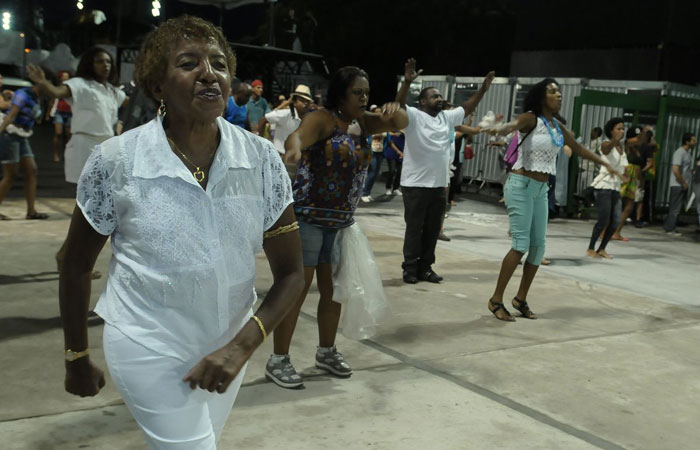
<point x="372" y="172"/>
<point x="526" y="202"/>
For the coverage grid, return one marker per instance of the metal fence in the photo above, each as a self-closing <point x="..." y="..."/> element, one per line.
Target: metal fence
<point x="506" y="96"/>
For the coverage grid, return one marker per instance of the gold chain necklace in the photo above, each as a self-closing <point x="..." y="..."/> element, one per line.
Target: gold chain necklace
<point x="198" y="173"/>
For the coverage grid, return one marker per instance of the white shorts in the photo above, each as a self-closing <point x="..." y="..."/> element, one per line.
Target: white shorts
<point x="170" y="413"/>
<point x="78" y="150"/>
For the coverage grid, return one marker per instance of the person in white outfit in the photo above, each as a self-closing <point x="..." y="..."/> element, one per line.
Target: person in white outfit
<point x="94" y="100"/>
<point x="187" y="199"/>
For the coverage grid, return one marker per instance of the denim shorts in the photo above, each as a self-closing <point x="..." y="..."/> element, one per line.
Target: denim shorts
<point x="13" y="148"/>
<point x="316" y="243"/>
<point x="63" y="118"/>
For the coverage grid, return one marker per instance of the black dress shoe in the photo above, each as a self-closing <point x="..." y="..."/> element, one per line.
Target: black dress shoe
<point x="430" y="276"/>
<point x="410" y="278"/>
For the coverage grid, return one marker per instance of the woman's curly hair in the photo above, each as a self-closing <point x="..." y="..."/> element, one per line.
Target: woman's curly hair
<point x="152" y="61"/>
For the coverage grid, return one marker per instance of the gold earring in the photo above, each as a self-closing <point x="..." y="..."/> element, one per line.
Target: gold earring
<point x="161" y="109"/>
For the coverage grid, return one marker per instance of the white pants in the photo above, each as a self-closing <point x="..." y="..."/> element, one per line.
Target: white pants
<point x="78" y="150"/>
<point x="170" y="413"/>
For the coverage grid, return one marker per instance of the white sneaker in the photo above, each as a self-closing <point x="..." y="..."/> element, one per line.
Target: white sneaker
<point x="397" y="192"/>
<point x="366" y="199"/>
<point x="388" y="192"/>
<point x="674" y="233"/>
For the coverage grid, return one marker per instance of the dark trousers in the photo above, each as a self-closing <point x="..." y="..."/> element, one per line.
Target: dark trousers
<point x="609" y="212"/>
<point x="675" y="203"/>
<point x="372" y="172"/>
<point x="455" y="181"/>
<point x="423" y="211"/>
<point x="393" y="180"/>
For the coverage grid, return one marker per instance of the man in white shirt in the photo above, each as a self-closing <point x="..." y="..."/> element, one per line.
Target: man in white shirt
<point x="424" y="176"/>
<point x="287" y="119"/>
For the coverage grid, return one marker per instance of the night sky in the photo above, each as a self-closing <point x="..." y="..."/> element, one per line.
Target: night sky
<point x="458" y="37"/>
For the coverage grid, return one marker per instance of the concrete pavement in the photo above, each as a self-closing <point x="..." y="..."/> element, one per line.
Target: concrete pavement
<point x="612" y="362"/>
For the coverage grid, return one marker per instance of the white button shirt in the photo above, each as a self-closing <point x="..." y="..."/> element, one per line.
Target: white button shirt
<point x="181" y="278"/>
<point x="94" y="106"/>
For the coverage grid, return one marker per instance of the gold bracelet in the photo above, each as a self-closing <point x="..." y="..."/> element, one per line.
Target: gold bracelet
<point x="72" y="355"/>
<point x="281" y="230"/>
<point x="262" y="327"/>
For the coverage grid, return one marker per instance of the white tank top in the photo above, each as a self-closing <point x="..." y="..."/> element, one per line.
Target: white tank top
<point x="538" y="153"/>
<point x="606" y="180"/>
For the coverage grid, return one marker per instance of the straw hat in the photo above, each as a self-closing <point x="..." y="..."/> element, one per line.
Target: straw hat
<point x="303" y="91"/>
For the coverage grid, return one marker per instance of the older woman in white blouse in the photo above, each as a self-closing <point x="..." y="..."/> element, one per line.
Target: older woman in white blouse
<point x="187" y="199"/>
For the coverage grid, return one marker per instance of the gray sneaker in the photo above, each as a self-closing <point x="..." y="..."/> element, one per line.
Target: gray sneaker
<point x="333" y="362"/>
<point x="283" y="373"/>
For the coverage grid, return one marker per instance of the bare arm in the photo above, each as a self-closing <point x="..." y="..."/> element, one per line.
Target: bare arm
<point x="391" y="118"/>
<point x="469" y="131"/>
<point x="679" y="176"/>
<point x="410" y="75"/>
<point x="524" y="122"/>
<point x="83" y="245"/>
<point x="9" y="118"/>
<point x="314" y="126"/>
<point x="45" y="88"/>
<point x="584" y="153"/>
<point x="606" y="147"/>
<point x="471" y="104"/>
<point x="216" y="371"/>
<point x="261" y="125"/>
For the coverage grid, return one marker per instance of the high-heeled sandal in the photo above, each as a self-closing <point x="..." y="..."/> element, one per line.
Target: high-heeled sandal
<point x="497" y="306"/>
<point x="524" y="308"/>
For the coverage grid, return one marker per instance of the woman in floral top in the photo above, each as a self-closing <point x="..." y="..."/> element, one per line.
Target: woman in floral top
<point x="332" y="155"/>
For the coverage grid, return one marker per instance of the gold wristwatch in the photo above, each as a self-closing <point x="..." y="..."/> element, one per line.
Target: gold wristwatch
<point x="73" y="355"/>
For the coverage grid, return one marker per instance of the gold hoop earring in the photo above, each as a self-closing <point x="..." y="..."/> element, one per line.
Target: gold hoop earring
<point x="161" y="109"/>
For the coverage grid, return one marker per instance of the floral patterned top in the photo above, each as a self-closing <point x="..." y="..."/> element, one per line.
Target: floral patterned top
<point x="329" y="179"/>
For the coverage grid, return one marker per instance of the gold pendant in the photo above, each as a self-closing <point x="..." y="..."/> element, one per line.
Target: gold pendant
<point x="199" y="175"/>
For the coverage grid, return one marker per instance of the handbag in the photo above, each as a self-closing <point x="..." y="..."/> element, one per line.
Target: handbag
<point x="511" y="155"/>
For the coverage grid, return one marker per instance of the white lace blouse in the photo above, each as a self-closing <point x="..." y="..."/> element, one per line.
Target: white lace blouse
<point x="538" y="153"/>
<point x="181" y="278"/>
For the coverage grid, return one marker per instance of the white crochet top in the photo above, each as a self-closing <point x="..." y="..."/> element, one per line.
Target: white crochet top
<point x="538" y="153"/>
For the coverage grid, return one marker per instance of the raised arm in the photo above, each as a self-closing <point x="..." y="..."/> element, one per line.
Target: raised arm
<point x="584" y="153"/>
<point x="469" y="131"/>
<point x="524" y="122"/>
<point x="314" y="127"/>
<point x="410" y="75"/>
<point x="471" y="104"/>
<point x="391" y="118"/>
<point x="36" y="75"/>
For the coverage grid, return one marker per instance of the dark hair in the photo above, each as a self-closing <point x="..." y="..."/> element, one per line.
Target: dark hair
<point x="687" y="137"/>
<point x="424" y="92"/>
<point x="533" y="99"/>
<point x="598" y="130"/>
<point x="610" y="124"/>
<point x="152" y="60"/>
<point x="633" y="132"/>
<point x="86" y="66"/>
<point x="338" y="85"/>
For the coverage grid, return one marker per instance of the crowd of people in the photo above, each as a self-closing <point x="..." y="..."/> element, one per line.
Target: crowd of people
<point x="195" y="165"/>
